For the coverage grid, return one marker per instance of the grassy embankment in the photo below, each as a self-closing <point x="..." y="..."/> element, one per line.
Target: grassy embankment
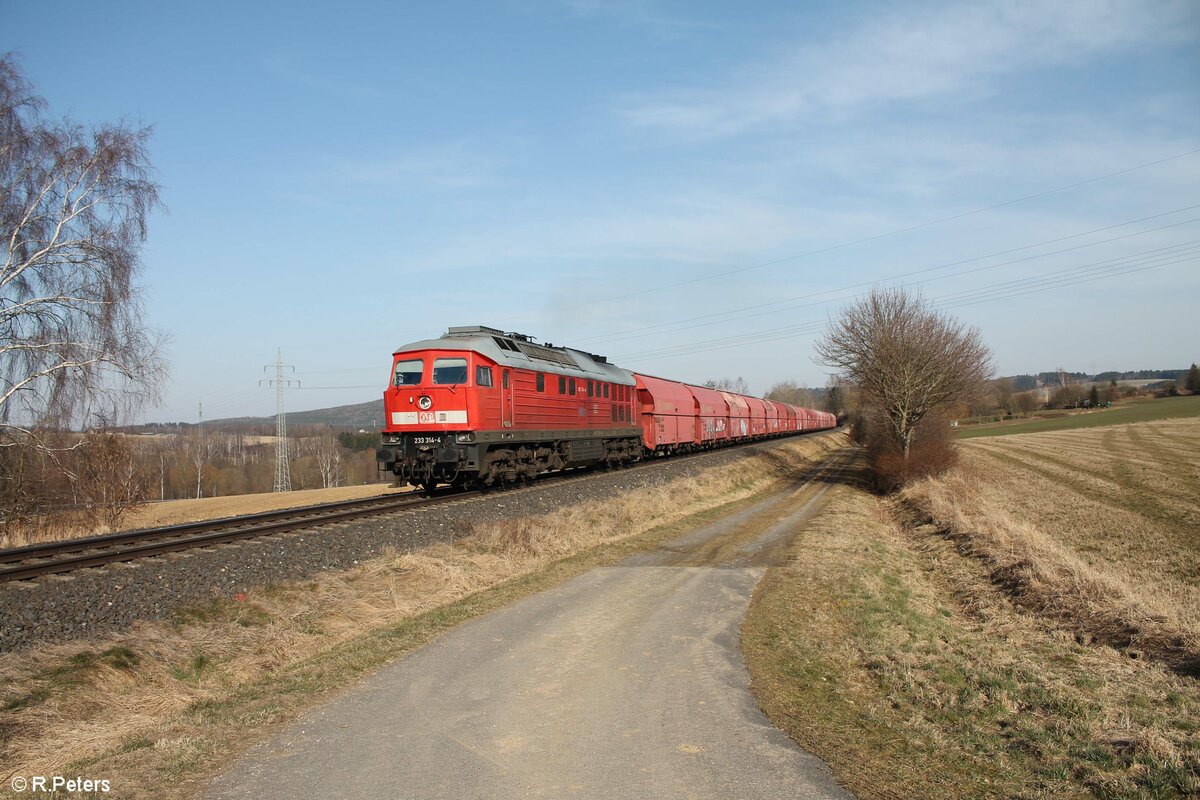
<point x="1123" y="413"/>
<point x="158" y="708"/>
<point x="1027" y="627"/>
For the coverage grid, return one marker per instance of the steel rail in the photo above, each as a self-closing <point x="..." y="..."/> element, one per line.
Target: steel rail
<point x="150" y="542"/>
<point x="172" y="545"/>
<point x="46" y="549"/>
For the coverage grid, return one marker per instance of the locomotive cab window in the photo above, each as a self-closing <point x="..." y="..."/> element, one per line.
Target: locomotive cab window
<point x="408" y="373"/>
<point x="450" y="371"/>
<point x="541" y="382"/>
<point x="483" y="376"/>
<point x="505" y="376"/>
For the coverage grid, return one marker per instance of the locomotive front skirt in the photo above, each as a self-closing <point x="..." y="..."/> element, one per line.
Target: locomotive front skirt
<point x="481" y="406"/>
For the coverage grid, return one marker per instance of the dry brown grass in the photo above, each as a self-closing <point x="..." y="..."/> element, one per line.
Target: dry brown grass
<point x="173" y="512"/>
<point x="1093" y="528"/>
<point x="888" y="652"/>
<point x="162" y="703"/>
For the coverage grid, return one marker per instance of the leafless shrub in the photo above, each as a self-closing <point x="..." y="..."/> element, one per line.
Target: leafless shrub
<point x="111" y="481"/>
<point x="932" y="452"/>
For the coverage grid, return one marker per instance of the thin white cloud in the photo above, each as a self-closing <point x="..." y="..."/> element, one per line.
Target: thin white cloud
<point x="285" y="69"/>
<point x="641" y="14"/>
<point x="905" y="56"/>
<point x="438" y="167"/>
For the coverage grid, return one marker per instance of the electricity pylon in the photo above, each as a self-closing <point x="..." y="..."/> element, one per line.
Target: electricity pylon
<point x="283" y="472"/>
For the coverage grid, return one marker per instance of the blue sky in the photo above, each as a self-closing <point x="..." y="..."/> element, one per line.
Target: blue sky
<point x="690" y="188"/>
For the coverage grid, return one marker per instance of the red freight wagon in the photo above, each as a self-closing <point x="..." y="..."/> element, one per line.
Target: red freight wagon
<point x="772" y="417"/>
<point x="758" y="416"/>
<point x="712" y="415"/>
<point x="667" y="413"/>
<point x="739" y="415"/>
<point x="780" y="424"/>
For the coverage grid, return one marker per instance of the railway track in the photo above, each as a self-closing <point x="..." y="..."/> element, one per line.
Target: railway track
<point x="52" y="558"/>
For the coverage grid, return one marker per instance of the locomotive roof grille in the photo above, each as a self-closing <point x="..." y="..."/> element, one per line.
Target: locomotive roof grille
<point x="546" y="354"/>
<point x="504" y="340"/>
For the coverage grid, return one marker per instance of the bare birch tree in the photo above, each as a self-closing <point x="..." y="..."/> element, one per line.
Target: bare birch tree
<point x="73" y="208"/>
<point x="200" y="450"/>
<point x="329" y="461"/>
<point x="905" y="360"/>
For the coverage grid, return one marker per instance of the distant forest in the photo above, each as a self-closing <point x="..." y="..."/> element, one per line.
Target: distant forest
<point x="1022" y="383"/>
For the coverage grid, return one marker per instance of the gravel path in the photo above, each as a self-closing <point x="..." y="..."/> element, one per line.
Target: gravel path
<point x="96" y="601"/>
<point x="625" y="682"/>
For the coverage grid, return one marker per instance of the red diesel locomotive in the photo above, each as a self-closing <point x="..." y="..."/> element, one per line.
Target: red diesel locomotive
<point x="481" y="406"/>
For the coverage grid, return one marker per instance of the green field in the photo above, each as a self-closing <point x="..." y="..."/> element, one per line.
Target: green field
<point x="1120" y="414"/>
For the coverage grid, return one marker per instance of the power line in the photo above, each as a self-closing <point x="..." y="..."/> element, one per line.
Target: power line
<point x="1099" y="270"/>
<point x="920" y="283"/>
<point x="874" y="237"/>
<point x="381" y="386"/>
<point x="721" y="317"/>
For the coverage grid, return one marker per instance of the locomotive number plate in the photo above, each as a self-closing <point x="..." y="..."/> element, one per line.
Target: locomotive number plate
<point x="427" y="440"/>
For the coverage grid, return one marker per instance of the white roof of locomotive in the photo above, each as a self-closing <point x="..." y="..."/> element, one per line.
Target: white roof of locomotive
<point x="519" y="351"/>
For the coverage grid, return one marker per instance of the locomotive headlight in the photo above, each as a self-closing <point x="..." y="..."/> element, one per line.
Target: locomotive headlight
<point x="425" y="402"/>
<point x="465" y="437"/>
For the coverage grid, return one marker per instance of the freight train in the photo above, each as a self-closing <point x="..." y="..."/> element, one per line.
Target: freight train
<point x="481" y="407"/>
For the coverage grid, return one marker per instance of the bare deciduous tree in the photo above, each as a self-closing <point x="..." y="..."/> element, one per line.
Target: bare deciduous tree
<point x="736" y="385"/>
<point x="794" y="393"/>
<point x="1027" y="402"/>
<point x="200" y="450"/>
<point x="905" y="359"/>
<point x="329" y="461"/>
<point x="73" y="209"/>
<point x="1002" y="391"/>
